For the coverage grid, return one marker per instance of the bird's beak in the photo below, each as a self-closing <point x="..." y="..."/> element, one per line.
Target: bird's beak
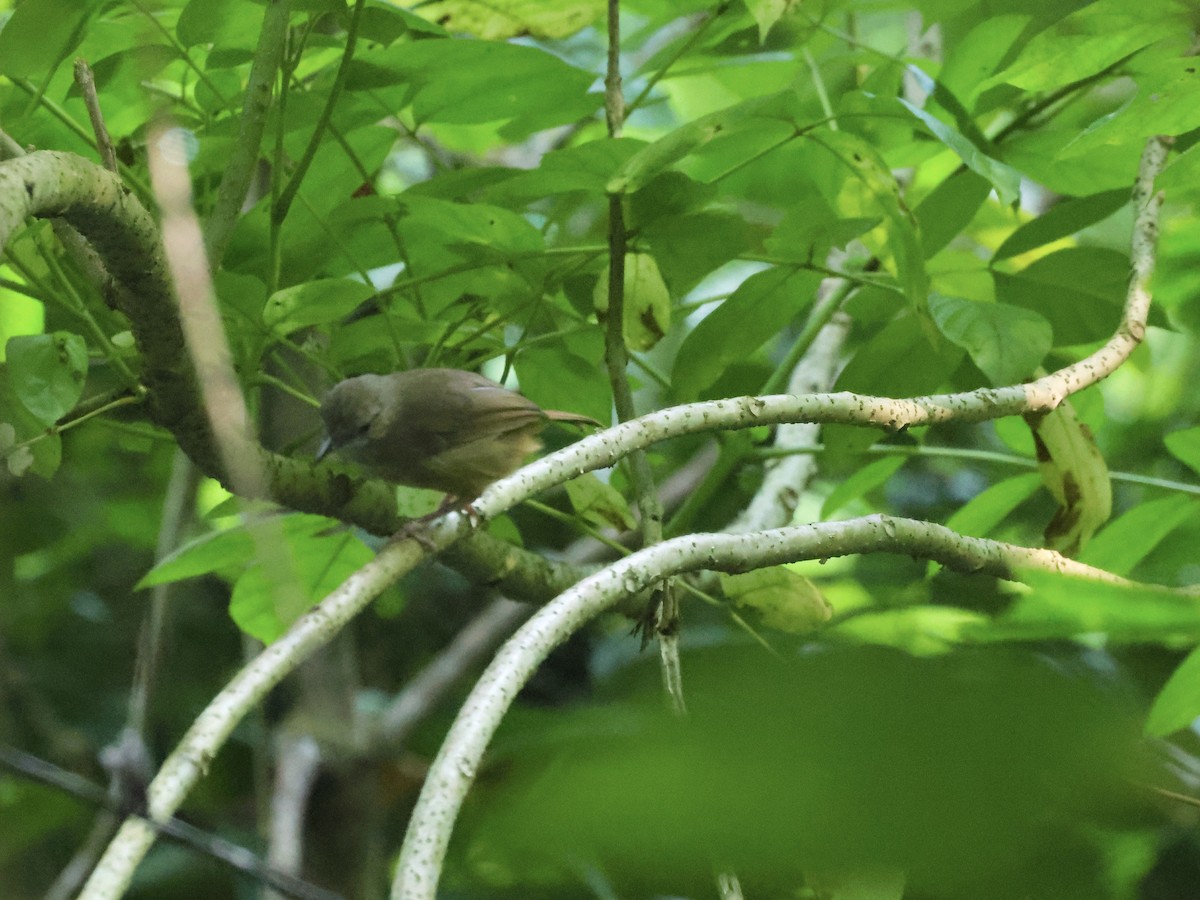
<point x="323" y="450"/>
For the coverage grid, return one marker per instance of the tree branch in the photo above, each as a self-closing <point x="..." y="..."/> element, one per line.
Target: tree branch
<point x="189" y="761"/>
<point x="454" y="768"/>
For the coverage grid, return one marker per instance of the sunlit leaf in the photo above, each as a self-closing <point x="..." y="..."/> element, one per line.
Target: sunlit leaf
<point x="1085" y="42"/>
<point x="1006" y="342"/>
<point x="264" y="601"/>
<point x="767" y="12"/>
<point x="1062" y="220"/>
<point x="1177" y="705"/>
<point x="41" y="34"/>
<point x="1127" y="540"/>
<point x="498" y="20"/>
<point x="1005" y="179"/>
<point x="1058" y="607"/>
<point x="761" y="306"/>
<point x="1185" y="446"/>
<point x="314" y="303"/>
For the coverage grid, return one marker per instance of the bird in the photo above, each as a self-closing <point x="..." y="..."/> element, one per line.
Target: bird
<point x="447" y="429"/>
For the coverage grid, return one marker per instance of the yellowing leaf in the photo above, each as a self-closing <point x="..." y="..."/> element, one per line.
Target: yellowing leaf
<point x="1075" y="474"/>
<point x="647" y="302"/>
<point x="599" y="503"/>
<point x="498" y="20"/>
<point x="782" y="598"/>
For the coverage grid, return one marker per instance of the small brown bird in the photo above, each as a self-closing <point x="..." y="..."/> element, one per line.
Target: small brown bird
<point x="445" y="429"/>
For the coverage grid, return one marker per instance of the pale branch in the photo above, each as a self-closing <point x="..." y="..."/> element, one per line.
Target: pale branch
<point x="49" y="184"/>
<point x="191" y="758"/>
<point x="454" y="768"/>
<point x="784" y="479"/>
<point x="208" y="733"/>
<point x="297" y="764"/>
<point x="427" y="688"/>
<point x="46" y="183"/>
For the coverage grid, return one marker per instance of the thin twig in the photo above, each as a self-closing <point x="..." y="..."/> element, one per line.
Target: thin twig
<point x="230" y="855"/>
<point x="235" y="181"/>
<point x="86" y="81"/>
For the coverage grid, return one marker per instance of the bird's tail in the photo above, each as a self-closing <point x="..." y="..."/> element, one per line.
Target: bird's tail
<point x="557" y="415"/>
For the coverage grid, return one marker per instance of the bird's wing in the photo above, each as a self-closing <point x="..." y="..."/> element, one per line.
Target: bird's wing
<point x="490" y="410"/>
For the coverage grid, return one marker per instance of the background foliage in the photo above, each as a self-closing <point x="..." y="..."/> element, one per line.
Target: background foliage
<point x="440" y="197"/>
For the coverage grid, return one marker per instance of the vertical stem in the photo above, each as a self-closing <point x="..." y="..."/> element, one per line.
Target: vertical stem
<point x="617" y="360"/>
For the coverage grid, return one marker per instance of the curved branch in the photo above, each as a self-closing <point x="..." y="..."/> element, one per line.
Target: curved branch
<point x="186" y="765"/>
<point x="49" y="184"/>
<point x="453" y="770"/>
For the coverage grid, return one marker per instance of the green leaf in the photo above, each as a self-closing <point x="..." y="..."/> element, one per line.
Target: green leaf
<point x="783" y="599"/>
<point x="586" y="168"/>
<point x="880" y="884"/>
<point x="1185" y="447"/>
<point x="317" y="302"/>
<point x="647" y="301"/>
<point x="1178" y="703"/>
<point x="1005" y="179"/>
<point x="767" y="12"/>
<point x="214" y="552"/>
<point x="1061" y="220"/>
<point x="882" y="191"/>
<point x="949" y="208"/>
<point x="863" y="481"/>
<point x="917" y="630"/>
<point x="1006" y="342"/>
<point x="666" y="151"/>
<point x="219" y="22"/>
<point x="758" y="310"/>
<point x="383" y="24"/>
<point x="980" y="515"/>
<point x="261" y="604"/>
<point x="1058" y="606"/>
<point x="811" y="227"/>
<point x="225" y="551"/>
<point x="974" y="56"/>
<point x="495" y="249"/>
<point x="527" y="89"/>
<point x="1079" y="290"/>
<point x="1088" y="41"/>
<point x="1074" y="472"/>
<point x="688" y="247"/>
<point x="599" y="503"/>
<point x="471" y="229"/>
<point x="899" y="361"/>
<point x="1126" y="541"/>
<point x="47" y="372"/>
<point x="1165" y="104"/>
<point x="43" y="454"/>
<point x="565" y="375"/>
<point x="40" y="34"/>
<point x="668" y="195"/>
<point x="499" y="20"/>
